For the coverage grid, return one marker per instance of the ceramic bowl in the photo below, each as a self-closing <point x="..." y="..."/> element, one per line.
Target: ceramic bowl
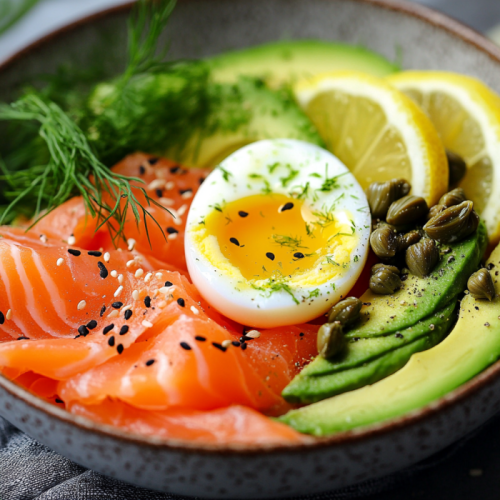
<point x="422" y="39"/>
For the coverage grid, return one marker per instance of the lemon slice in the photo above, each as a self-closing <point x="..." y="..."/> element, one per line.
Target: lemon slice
<point x="466" y="114"/>
<point x="375" y="130"/>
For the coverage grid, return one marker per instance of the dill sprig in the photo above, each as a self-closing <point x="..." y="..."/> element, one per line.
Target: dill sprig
<point x="288" y="241"/>
<point x="72" y="165"/>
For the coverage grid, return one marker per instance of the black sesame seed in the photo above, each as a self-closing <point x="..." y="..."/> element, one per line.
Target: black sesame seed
<point x="219" y="346"/>
<point x="94" y="253"/>
<point x="2" y="318"/>
<point x="199" y="338"/>
<point x="244" y="338"/>
<point x="103" y="272"/>
<point x="287" y="206"/>
<point x="172" y="230"/>
<point x="128" y="314"/>
<point x="181" y="302"/>
<point x="270" y="255"/>
<point x="301" y="334"/>
<point x="168" y="283"/>
<point x="116" y="305"/>
<point x="147" y="301"/>
<point x="149" y="362"/>
<point x="236" y="343"/>
<point x="119" y="348"/>
<point x="103" y="310"/>
<point x="234" y="241"/>
<point x="183" y="191"/>
<point x="111" y="341"/>
<point x="243" y="214"/>
<point x="159" y="192"/>
<point x="124" y="329"/>
<point x="174" y="170"/>
<point x="142" y="170"/>
<point x="60" y="401"/>
<point x="76" y="253"/>
<point x="153" y="161"/>
<point x="298" y="255"/>
<point x="83" y="330"/>
<point x="92" y="324"/>
<point x="186" y="346"/>
<point x="243" y="346"/>
<point x="107" y="329"/>
<point x="24" y="338"/>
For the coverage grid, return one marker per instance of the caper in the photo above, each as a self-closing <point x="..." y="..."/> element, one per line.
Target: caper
<point x="456" y="167"/>
<point x="453" y="224"/>
<point x="422" y="257"/>
<point x="381" y="194"/>
<point x="384" y="242"/>
<point x="481" y="285"/>
<point x="379" y="267"/>
<point x="385" y="281"/>
<point x="453" y="197"/>
<point x="330" y="340"/>
<point x="406" y="210"/>
<point x="346" y="311"/>
<point x="408" y="239"/>
<point x="435" y="210"/>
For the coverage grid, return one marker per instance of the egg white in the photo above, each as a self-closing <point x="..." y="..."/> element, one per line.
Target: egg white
<point x="223" y="285"/>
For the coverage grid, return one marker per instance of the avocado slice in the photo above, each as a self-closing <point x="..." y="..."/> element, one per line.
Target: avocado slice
<point x="287" y="61"/>
<point x="242" y="113"/>
<point x="420" y="297"/>
<point x="472" y="346"/>
<point x="367" y="360"/>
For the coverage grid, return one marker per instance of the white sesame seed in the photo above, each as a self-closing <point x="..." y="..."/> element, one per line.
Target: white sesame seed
<point x="172" y="236"/>
<point x="81" y="305"/>
<point x="139" y="273"/>
<point x="187" y="194"/>
<point x="178" y="221"/>
<point x="136" y="295"/>
<point x="43" y="238"/>
<point x="226" y="343"/>
<point x="166" y="289"/>
<point x="156" y="184"/>
<point x="253" y="334"/>
<point x="169" y="185"/>
<point x="71" y="240"/>
<point x="131" y="244"/>
<point x="114" y="273"/>
<point x="107" y="256"/>
<point x="120" y="279"/>
<point x="147" y="324"/>
<point x="138" y="258"/>
<point x="119" y="290"/>
<point x="182" y="210"/>
<point x="130" y="263"/>
<point x="8" y="316"/>
<point x="159" y="275"/>
<point x="60" y="261"/>
<point x="195" y="311"/>
<point x="126" y="308"/>
<point x="167" y="201"/>
<point x="147" y="277"/>
<point x="114" y="314"/>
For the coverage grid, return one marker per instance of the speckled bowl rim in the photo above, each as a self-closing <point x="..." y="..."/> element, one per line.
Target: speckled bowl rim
<point x="451" y="399"/>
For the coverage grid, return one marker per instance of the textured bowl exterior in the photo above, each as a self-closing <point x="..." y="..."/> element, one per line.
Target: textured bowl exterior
<point x="421" y="39"/>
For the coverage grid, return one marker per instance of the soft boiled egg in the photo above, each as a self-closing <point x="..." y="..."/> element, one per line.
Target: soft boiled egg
<point x="277" y="233"/>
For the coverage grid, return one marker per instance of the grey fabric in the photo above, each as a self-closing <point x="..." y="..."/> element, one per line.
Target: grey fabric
<point x="31" y="471"/>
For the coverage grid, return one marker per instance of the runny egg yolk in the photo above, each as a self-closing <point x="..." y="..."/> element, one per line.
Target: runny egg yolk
<point x="270" y="235"/>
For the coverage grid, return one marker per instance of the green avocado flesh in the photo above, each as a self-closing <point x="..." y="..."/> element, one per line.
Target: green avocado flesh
<point x="472" y="345"/>
<point x="420" y="297"/>
<point x="285" y="62"/>
<point x="368" y="360"/>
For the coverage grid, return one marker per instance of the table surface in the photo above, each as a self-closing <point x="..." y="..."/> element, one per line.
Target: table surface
<point x="472" y="469"/>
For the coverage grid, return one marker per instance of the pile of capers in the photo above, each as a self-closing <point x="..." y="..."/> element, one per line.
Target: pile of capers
<point x="407" y="233"/>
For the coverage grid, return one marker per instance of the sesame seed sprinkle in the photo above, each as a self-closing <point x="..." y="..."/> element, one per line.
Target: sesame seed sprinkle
<point x="43" y="238"/>
<point x="234" y="241"/>
<point x="60" y="261"/>
<point x="73" y="252"/>
<point x="139" y="273"/>
<point x="124" y="329"/>
<point x="168" y="283"/>
<point x="2" y="318"/>
<point x="114" y="314"/>
<point x="185" y="346"/>
<point x="131" y="244"/>
<point x="200" y="338"/>
<point x="83" y="330"/>
<point x="119" y="290"/>
<point x="219" y="346"/>
<point x="182" y="210"/>
<point x="181" y="302"/>
<point x="147" y="301"/>
<point x="119" y="348"/>
<point x="270" y="255"/>
<point x="120" y="278"/>
<point x="107" y="329"/>
<point x="130" y="263"/>
<point x="195" y="311"/>
<point x="103" y="272"/>
<point x="8" y="316"/>
<point x="159" y="275"/>
<point x="128" y="314"/>
<point x="136" y="295"/>
<point x="147" y="277"/>
<point x="226" y="343"/>
<point x="82" y="305"/>
<point x="149" y="362"/>
<point x="286" y="206"/>
<point x="243" y="346"/>
<point x="172" y="236"/>
<point x="253" y="334"/>
<point x="169" y="185"/>
<point x="107" y="257"/>
<point x="71" y="240"/>
<point x="94" y="253"/>
<point x="114" y="273"/>
<point x="243" y="214"/>
<point x="172" y="230"/>
<point x="92" y="324"/>
<point x="117" y="305"/>
<point x="147" y="324"/>
<point x="103" y="310"/>
<point x="111" y="341"/>
<point x="157" y="183"/>
<point x="167" y="201"/>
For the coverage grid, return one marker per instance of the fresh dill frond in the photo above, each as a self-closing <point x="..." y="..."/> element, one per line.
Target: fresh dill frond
<point x="271" y="286"/>
<point x="325" y="217"/>
<point x="291" y="175"/>
<point x="288" y="241"/>
<point x="72" y="168"/>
